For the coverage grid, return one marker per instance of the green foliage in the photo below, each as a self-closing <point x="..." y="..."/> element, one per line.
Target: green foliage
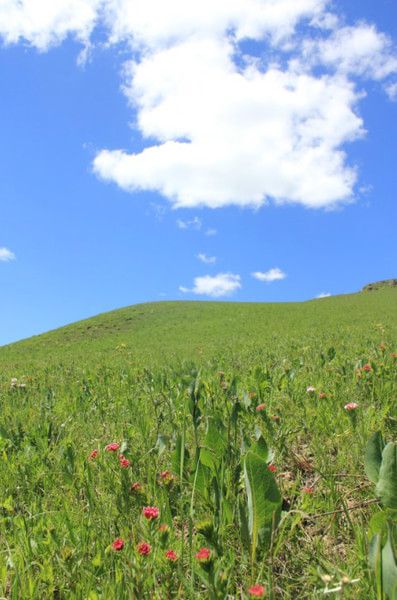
<point x="178" y="385"/>
<point x="373" y="456"/>
<point x="263" y="497"/>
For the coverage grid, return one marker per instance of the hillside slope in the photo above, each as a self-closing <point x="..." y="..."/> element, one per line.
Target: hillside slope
<point x="157" y="332"/>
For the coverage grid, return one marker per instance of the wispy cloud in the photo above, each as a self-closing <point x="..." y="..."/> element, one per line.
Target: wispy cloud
<point x="211" y="231"/>
<point x="215" y="286"/>
<point x="6" y="255"/>
<point x="194" y="223"/>
<point x="324" y="295"/>
<point x="274" y="274"/>
<point x="208" y="260"/>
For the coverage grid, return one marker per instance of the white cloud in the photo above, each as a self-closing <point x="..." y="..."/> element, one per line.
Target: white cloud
<point x="222" y="127"/>
<point x="391" y="90"/>
<point x="215" y="286"/>
<point x="211" y="231"/>
<point x="324" y="295"/>
<point x="274" y="274"/>
<point x="208" y="260"/>
<point x="44" y="23"/>
<point x="359" y="50"/>
<point x="6" y="255"/>
<point x="194" y="223"/>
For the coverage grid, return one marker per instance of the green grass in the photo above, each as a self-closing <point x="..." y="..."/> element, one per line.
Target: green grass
<point x="177" y="384"/>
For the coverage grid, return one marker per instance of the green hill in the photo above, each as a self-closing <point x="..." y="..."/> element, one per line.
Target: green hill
<point x="158" y="332"/>
<point x="200" y="450"/>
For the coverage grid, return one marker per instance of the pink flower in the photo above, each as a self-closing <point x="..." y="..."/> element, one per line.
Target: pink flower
<point x="351" y="406"/>
<point x="322" y="395"/>
<point x="171" y="555"/>
<point x="310" y="389"/>
<point x="308" y="489"/>
<point x="272" y="468"/>
<point x="118" y="544"/>
<point x="203" y="555"/>
<point x="113" y="447"/>
<point x="124" y="462"/>
<point x="166" y="477"/>
<point x="150" y="512"/>
<point x="260" y="407"/>
<point x="367" y="368"/>
<point x="257" y="591"/>
<point x="93" y="454"/>
<point x="144" y="548"/>
<point x="136" y="487"/>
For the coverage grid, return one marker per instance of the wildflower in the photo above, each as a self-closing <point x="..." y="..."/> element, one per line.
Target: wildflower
<point x="93" y="454"/>
<point x="203" y="555"/>
<point x="351" y="406"/>
<point x="310" y="389"/>
<point x="136" y="487"/>
<point x="394" y="355"/>
<point x="322" y="395"/>
<point x="382" y="347"/>
<point x="308" y="489"/>
<point x="124" y="462"/>
<point x="118" y="544"/>
<point x="113" y="447"/>
<point x="144" y="548"/>
<point x="260" y="407"/>
<point x="272" y="468"/>
<point x="276" y="418"/>
<point x="166" y="477"/>
<point x="14" y="382"/>
<point x="150" y="512"/>
<point x="164" y="528"/>
<point x="257" y="591"/>
<point x="171" y="555"/>
<point x="367" y="368"/>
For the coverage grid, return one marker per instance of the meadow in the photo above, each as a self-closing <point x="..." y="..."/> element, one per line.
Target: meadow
<point x="197" y="450"/>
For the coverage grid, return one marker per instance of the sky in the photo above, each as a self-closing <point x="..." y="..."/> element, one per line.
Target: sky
<point x="150" y="150"/>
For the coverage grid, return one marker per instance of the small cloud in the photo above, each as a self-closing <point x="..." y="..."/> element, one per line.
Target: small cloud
<point x="208" y="260"/>
<point x="211" y="232"/>
<point x="194" y="223"/>
<point x="324" y="295"/>
<point x="274" y="274"/>
<point x="6" y="255"/>
<point x="391" y="91"/>
<point x="215" y="286"/>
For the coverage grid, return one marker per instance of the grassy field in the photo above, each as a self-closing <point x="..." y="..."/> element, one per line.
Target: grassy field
<point x="230" y="425"/>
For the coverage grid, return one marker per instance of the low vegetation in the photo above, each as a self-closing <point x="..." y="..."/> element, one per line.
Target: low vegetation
<point x="203" y="450"/>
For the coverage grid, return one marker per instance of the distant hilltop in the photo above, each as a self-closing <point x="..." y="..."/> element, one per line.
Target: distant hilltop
<point x="370" y="287"/>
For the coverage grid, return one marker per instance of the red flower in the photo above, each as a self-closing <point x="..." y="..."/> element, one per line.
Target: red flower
<point x="136" y="487"/>
<point x="322" y="395"/>
<point x="257" y="591"/>
<point x="367" y="368"/>
<point x="260" y="407"/>
<point x="118" y="544"/>
<point x="171" y="555"/>
<point x="308" y="489"/>
<point x="272" y="468"/>
<point x="203" y="555"/>
<point x="351" y="406"/>
<point x="144" y="548"/>
<point x="113" y="447"/>
<point x="93" y="454"/>
<point x="164" y="528"/>
<point x="124" y="462"/>
<point x="150" y="512"/>
<point x="166" y="477"/>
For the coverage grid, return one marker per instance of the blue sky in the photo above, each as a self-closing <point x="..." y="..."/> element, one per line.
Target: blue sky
<point x="85" y="229"/>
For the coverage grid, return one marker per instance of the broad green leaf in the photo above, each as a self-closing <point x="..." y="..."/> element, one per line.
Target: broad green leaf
<point x="180" y="456"/>
<point x="386" y="487"/>
<point x="389" y="569"/>
<point x="373" y="456"/>
<point x="263" y="498"/>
